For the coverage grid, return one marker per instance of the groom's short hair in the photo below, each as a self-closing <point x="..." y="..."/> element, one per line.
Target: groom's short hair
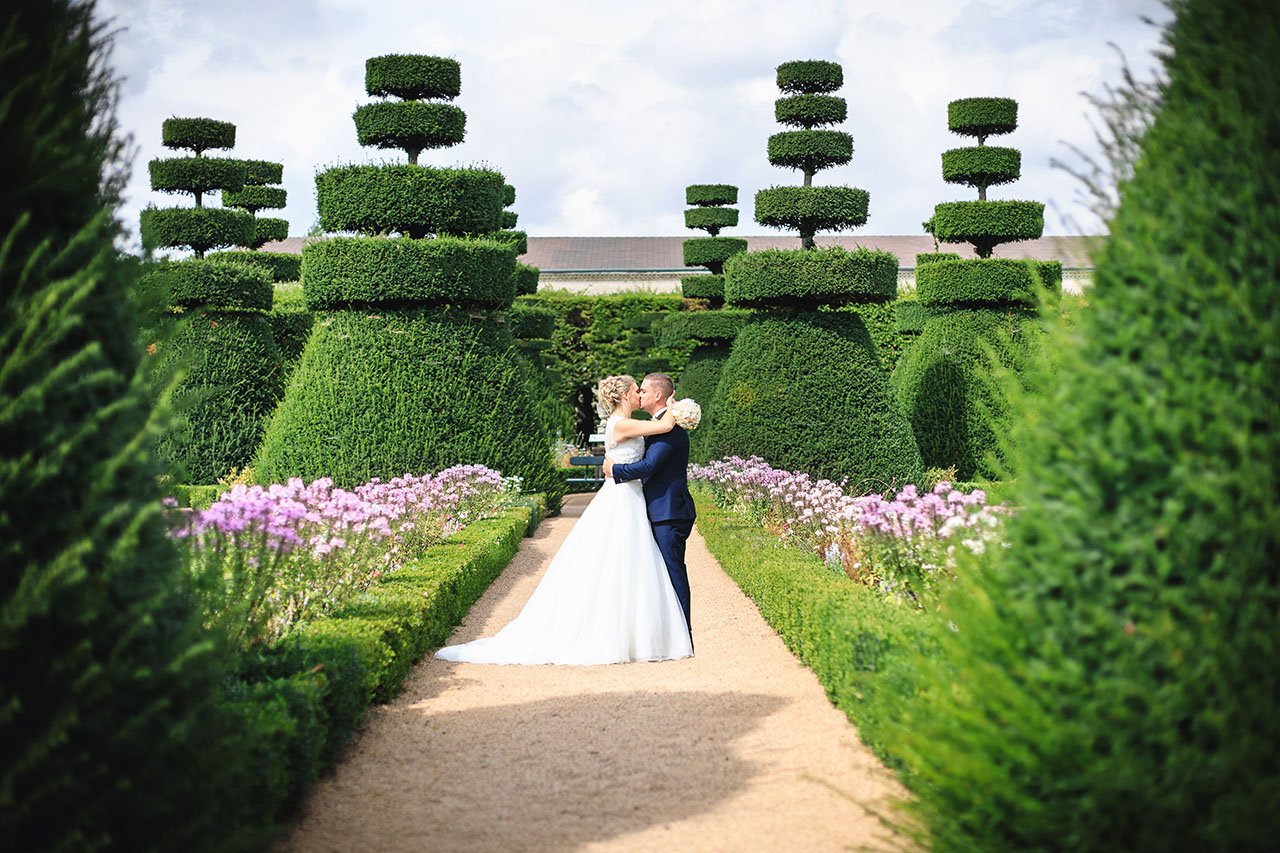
<point x="665" y="383"/>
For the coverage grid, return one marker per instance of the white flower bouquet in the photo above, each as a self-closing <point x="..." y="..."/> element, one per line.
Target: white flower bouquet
<point x="687" y="412"/>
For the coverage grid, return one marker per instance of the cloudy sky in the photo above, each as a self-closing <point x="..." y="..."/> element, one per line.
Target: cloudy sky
<point x="600" y="112"/>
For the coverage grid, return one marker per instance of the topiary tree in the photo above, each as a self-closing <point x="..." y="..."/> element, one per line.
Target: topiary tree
<point x="526" y="276"/>
<point x="712" y="334"/>
<point x="532" y="326"/>
<point x="804" y="388"/>
<point x="1111" y="671"/>
<point x="708" y="212"/>
<point x="258" y="194"/>
<point x="410" y="370"/>
<point x="977" y="305"/>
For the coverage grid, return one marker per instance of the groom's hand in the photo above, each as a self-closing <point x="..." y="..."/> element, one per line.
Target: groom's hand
<point x="608" y="468"/>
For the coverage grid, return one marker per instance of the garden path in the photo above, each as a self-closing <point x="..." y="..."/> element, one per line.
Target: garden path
<point x="737" y="748"/>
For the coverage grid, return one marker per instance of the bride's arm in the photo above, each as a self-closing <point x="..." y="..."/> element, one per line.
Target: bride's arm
<point x="630" y="427"/>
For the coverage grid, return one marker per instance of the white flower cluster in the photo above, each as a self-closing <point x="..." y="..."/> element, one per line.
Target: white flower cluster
<point x="687" y="412"/>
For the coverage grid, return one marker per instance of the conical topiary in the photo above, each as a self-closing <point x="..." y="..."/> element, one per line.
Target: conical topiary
<point x="409" y="371"/>
<point x="802" y="388"/>
<point x="977" y="305"/>
<point x="1110" y="671"/>
<point x="259" y="194"/>
<point x="712" y="333"/>
<point x="709" y="212"/>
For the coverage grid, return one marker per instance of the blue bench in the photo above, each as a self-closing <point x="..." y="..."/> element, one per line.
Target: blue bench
<point x="595" y="460"/>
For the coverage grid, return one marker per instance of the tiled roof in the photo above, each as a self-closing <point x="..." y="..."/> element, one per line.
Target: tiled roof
<point x="562" y="254"/>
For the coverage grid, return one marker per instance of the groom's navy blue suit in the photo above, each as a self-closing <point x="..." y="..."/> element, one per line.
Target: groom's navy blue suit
<point x="664" y="473"/>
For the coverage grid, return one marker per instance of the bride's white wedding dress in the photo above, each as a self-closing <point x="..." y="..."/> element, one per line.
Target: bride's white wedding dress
<point x="606" y="597"/>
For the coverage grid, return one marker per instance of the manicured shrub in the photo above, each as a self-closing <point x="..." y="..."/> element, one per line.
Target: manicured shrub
<point x="1111" y="677"/>
<point x="702" y="195"/>
<point x="698" y="382"/>
<point x="810" y="76"/>
<point x="257" y="196"/>
<point x="923" y="258"/>
<point x="196" y="175"/>
<point x="199" y="229"/>
<point x="266" y="229"/>
<point x="809" y="111"/>
<point x="710" y="218"/>
<point x="528" y="321"/>
<point x="517" y="240"/>
<point x="982" y="117"/>
<point x="413" y="200"/>
<point x="110" y="736"/>
<point x="409" y="126"/>
<point x="881" y="320"/>
<point x="709" y="215"/>
<point x="712" y="252"/>
<point x="810" y="150"/>
<point x="910" y="316"/>
<point x="812" y="209"/>
<point x="985" y="165"/>
<point x="413" y="78"/>
<point x="986" y="224"/>
<point x="261" y="173"/>
<point x="526" y="279"/>
<point x="291" y="324"/>
<point x="281" y="266"/>
<point x="704" y="327"/>
<point x="985" y="280"/>
<point x="834" y="275"/>
<point x="708" y="287"/>
<point x="197" y="134"/>
<point x="221" y="281"/>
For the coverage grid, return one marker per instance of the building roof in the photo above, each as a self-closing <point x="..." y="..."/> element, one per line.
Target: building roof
<point x="639" y="254"/>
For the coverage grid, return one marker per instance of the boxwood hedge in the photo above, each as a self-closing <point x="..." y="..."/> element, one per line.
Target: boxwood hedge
<point x="810" y="111"/>
<point x="196" y="175"/>
<point x="224" y="282"/>
<point x="810" y="76"/>
<point x="412" y="200"/>
<point x="707" y="251"/>
<point x="986" y="224"/>
<point x="812" y="209"/>
<point x="197" y="134"/>
<point x="199" y="228"/>
<point x="708" y="194"/>
<point x="982" y="117"/>
<point x="710" y="218"/>
<point x="708" y="287"/>
<point x="413" y="77"/>
<point x="833" y="275"/>
<point x="259" y="173"/>
<point x="704" y="327"/>
<point x="810" y="150"/>
<point x="283" y="266"/>
<point x="980" y="281"/>
<point x="698" y="382"/>
<point x="923" y="258"/>
<point x="409" y="125"/>
<point x="981" y="166"/>
<point x="267" y="229"/>
<point x="254" y="198"/>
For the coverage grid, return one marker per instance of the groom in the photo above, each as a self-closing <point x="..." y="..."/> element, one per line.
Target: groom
<point x="663" y="470"/>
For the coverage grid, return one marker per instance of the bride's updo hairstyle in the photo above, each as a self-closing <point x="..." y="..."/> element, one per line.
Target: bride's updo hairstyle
<point x="609" y="393"/>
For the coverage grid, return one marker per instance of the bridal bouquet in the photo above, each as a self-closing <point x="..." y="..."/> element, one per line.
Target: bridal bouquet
<point x="687" y="412"/>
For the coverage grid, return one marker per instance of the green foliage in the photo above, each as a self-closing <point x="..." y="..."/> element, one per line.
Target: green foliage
<point x="910" y="316"/>
<point x="291" y="324"/>
<point x="812" y="209"/>
<point x="199" y="228"/>
<point x="527" y="321"/>
<point x="698" y="381"/>
<point x="981" y="166"/>
<point x="986" y="224"/>
<point x="517" y="240"/>
<point x="834" y="275"/>
<point x="254" y="198"/>
<point x="702" y="195"/>
<point x="281" y="266"/>
<point x="923" y="258"/>
<point x="259" y="173"/>
<point x="421" y="390"/>
<point x="224" y="282"/>
<point x="709" y="287"/>
<point x="526" y="278"/>
<point x="982" y="117"/>
<point x="349" y="271"/>
<point x="409" y="125"/>
<point x="108" y="732"/>
<point x="1112" y="678"/>
<point x="197" y="134"/>
<point x="508" y="195"/>
<point x="707" y="251"/>
<point x="986" y="280"/>
<point x="509" y="219"/>
<point x="196" y="175"/>
<point x="811" y="76"/>
<point x="810" y="150"/>
<point x="704" y="327"/>
<point x="266" y="229"/>
<point x="412" y="200"/>
<point x="413" y="77"/>
<point x="810" y="111"/>
<point x="710" y="218"/>
<point x="807" y="392"/>
<point x="881" y="320"/>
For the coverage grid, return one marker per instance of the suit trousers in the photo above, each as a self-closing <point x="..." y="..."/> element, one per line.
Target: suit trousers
<point x="672" y="537"/>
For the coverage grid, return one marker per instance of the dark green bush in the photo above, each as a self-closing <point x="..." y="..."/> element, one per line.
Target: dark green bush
<point x="709" y="287"/>
<point x="981" y="166"/>
<point x="811" y="76"/>
<point x="834" y="275"/>
<point x="881" y="320"/>
<point x="710" y="218"/>
<point x="640" y="366"/>
<point x="199" y="228"/>
<point x="517" y="240"/>
<point x="224" y="282"/>
<point x="982" y="117"/>
<point x="259" y="173"/>
<point x="290" y="324"/>
<point x="986" y="224"/>
<point x="812" y="208"/>
<point x="197" y="134"/>
<point x="254" y="198"/>
<point x="526" y="279"/>
<point x="1112" y="678"/>
<point x="702" y="251"/>
<point x="704" y="327"/>
<point x="533" y="345"/>
<point x="923" y="258"/>
<point x="702" y="195"/>
<point x="807" y="392"/>
<point x="109" y="734"/>
<point x="413" y="77"/>
<point x="196" y="175"/>
<point x="509" y="219"/>
<point x="409" y="125"/>
<point x="985" y="280"/>
<point x="698" y="381"/>
<point x="421" y="390"/>
<point x="910" y="316"/>
<point x="641" y="341"/>
<point x="282" y="266"/>
<point x="810" y="111"/>
<point x="810" y="150"/>
<point x="412" y="200"/>
<point x="530" y="321"/>
<point x="267" y="229"/>
<point x="508" y="195"/>
<point x="348" y="271"/>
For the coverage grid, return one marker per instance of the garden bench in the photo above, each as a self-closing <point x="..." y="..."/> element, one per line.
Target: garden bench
<point x="595" y="460"/>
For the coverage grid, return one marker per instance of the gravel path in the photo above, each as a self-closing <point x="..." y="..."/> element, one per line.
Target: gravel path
<point x="736" y="748"/>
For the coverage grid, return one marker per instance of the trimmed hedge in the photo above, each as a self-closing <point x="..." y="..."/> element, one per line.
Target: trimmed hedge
<point x="526" y="278"/>
<point x="704" y="327"/>
<point x="533" y="346"/>
<point x="412" y="200"/>
<point x="196" y="175"/>
<point x="267" y="229"/>
<point x="258" y="173"/>
<point x="881" y="320"/>
<point x="705" y="251"/>
<point x="640" y="341"/>
<point x="517" y="240"/>
<point x="709" y="287"/>
<point x="698" y="381"/>
<point x="224" y="282"/>
<point x="343" y="272"/>
<point x="710" y="218"/>
<point x="808" y="392"/>
<point x="833" y="275"/>
<point x="923" y="258"/>
<point x="982" y="117"/>
<point x="282" y="266"/>
<point x="702" y="195"/>
<point x="197" y="134"/>
<point x="986" y="280"/>
<point x="812" y="208"/>
<point x="409" y="125"/>
<point x="530" y="321"/>
<point x="291" y="324"/>
<point x="981" y="166"/>
<point x="508" y="195"/>
<point x="986" y="224"/>
<point x="376" y="395"/>
<point x="810" y="76"/>
<point x="412" y="77"/>
<point x="810" y="111"/>
<point x="199" y="228"/>
<point x="509" y="219"/>
<point x="910" y="316"/>
<point x="254" y="198"/>
<point x="810" y="150"/>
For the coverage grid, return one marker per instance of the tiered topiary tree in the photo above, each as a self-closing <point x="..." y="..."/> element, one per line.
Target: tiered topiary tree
<point x="802" y="388"/>
<point x="258" y="194"/>
<point x="526" y="276"/>
<point x="410" y="370"/>
<point x="217" y="332"/>
<point x="712" y="334"/>
<point x="977" y="306"/>
<point x="710" y="214"/>
<point x="643" y="355"/>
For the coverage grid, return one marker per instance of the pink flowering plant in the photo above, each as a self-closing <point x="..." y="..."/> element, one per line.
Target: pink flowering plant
<point x="903" y="544"/>
<point x="264" y="559"/>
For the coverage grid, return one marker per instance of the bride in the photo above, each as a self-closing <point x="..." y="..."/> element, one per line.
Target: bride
<point x="606" y="597"/>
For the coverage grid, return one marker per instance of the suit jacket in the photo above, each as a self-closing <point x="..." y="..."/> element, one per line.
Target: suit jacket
<point x="664" y="473"/>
